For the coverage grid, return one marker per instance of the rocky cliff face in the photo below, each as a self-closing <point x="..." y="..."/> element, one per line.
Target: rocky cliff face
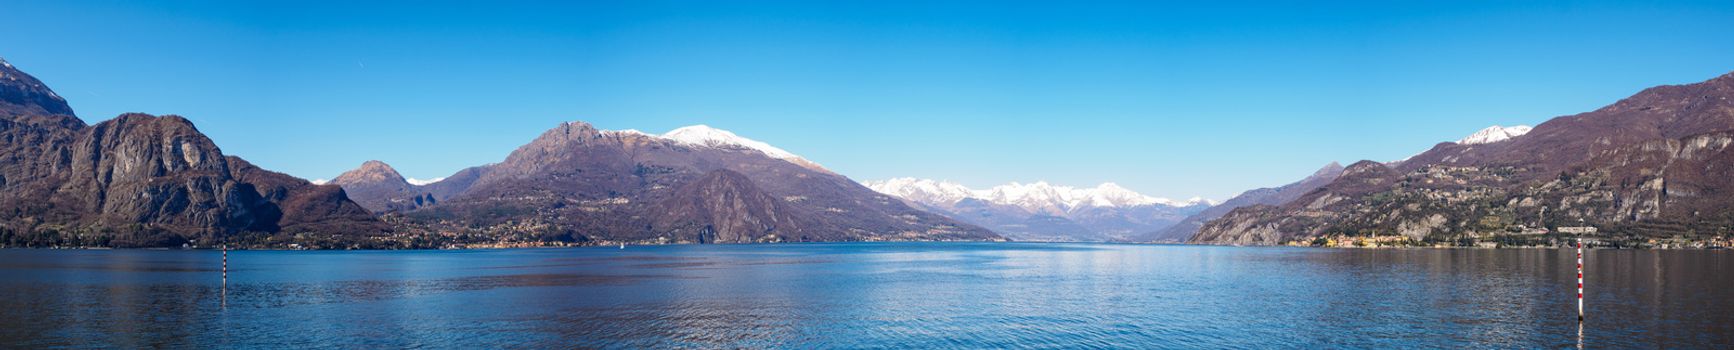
<point x="1652" y="165"/>
<point x="140" y="180"/>
<point x="577" y="183"/>
<point x="1183" y="231"/>
<point x="725" y="206"/>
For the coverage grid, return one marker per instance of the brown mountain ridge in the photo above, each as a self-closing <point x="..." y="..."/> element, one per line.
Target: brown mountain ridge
<point x="575" y="183"/>
<point x="147" y="181"/>
<point x="1654" y="165"/>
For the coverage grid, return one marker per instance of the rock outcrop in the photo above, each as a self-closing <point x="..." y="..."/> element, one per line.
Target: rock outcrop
<point x="145" y="181"/>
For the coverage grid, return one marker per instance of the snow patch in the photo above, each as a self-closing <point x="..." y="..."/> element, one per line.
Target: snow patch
<point x="1040" y="196"/>
<point x="420" y="182"/>
<point x="625" y="132"/>
<point x="922" y="190"/>
<point x="1494" y="134"/>
<point x="704" y="135"/>
<point x="320" y="181"/>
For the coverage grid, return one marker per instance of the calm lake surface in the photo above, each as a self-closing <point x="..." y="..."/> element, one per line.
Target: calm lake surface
<point x="866" y="295"/>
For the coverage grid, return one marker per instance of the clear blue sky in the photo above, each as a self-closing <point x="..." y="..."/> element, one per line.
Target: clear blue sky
<point x="1175" y="100"/>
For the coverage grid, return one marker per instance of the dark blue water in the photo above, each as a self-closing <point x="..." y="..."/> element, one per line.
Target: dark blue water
<point x="887" y="295"/>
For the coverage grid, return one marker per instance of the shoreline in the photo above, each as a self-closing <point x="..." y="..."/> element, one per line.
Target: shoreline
<point x="612" y="244"/>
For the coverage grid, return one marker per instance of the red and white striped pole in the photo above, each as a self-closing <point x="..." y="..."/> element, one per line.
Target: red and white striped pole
<point x="1580" y="280"/>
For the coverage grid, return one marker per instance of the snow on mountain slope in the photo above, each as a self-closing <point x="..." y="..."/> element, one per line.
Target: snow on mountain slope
<point x="923" y="191"/>
<point x="420" y="182"/>
<point x="1042" y="196"/>
<point x="626" y="132"/>
<point x="1487" y="135"/>
<point x="1042" y="211"/>
<point x="1494" y="134"/>
<point x="704" y="135"/>
<point x="1038" y="197"/>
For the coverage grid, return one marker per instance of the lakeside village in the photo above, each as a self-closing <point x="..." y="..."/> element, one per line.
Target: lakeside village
<point x="1523" y="237"/>
<point x="529" y="235"/>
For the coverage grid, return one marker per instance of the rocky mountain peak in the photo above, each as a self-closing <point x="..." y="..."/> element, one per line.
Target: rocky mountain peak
<point x="1331" y="170"/>
<point x="380" y="188"/>
<point x="371" y="172"/>
<point x="25" y="99"/>
<point x="569" y="132"/>
<point x="1366" y="166"/>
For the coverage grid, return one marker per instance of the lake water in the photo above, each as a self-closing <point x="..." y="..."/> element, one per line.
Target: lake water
<point x="866" y="295"/>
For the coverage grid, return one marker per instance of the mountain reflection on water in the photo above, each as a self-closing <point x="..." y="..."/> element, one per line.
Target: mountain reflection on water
<point x="865" y="295"/>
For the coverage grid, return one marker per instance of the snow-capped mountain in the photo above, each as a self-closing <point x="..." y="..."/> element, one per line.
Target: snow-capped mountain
<point x="1487" y="135"/>
<point x="1494" y="134"/>
<point x="705" y="136"/>
<point x="1039" y="197"/>
<point x="922" y="190"/>
<point x="1044" y="211"/>
<point x="1054" y="199"/>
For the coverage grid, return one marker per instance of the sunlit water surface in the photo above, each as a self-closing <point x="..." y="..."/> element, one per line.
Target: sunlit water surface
<point x="868" y="295"/>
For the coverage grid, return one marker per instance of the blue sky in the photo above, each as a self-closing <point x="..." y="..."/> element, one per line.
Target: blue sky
<point x="1170" y="99"/>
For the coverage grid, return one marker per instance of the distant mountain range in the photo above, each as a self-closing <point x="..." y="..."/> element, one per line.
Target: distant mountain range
<point x="1651" y="166"/>
<point x="1044" y="212"/>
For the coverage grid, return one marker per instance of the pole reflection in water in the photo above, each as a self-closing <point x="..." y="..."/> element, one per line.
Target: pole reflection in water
<point x="1580" y="335"/>
<point x="224" y="295"/>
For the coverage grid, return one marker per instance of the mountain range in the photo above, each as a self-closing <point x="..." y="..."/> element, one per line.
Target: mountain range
<point x="1654" y="165"/>
<point x="140" y="180"/>
<point x="148" y="181"/>
<point x="1044" y="212"/>
<point x="1651" y="166"/>
<point x="695" y="184"/>
<point x="1186" y="228"/>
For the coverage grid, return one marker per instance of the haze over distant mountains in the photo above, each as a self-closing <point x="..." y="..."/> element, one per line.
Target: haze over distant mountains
<point x="1185" y="229"/>
<point x="1044" y="212"/>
